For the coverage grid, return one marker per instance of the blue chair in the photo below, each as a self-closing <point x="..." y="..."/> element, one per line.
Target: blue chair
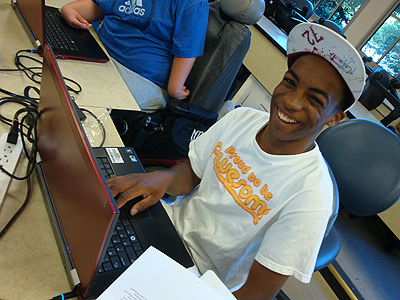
<point x="364" y="158"/>
<point x="330" y="246"/>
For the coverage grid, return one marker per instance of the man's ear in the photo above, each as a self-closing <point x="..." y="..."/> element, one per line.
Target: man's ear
<point x="336" y="118"/>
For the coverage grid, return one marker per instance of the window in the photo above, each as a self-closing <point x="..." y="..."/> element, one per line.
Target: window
<point x="338" y="11"/>
<point x="384" y="45"/>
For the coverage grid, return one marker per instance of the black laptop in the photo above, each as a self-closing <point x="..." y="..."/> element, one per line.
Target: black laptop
<point x="97" y="241"/>
<point x="45" y="25"/>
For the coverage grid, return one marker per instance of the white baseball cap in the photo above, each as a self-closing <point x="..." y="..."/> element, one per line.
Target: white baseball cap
<point x="322" y="41"/>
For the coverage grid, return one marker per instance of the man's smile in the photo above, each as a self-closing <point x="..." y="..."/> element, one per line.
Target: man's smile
<point x="285" y="118"/>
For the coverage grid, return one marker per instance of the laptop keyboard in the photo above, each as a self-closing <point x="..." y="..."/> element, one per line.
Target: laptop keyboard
<point x="124" y="248"/>
<point x="105" y="167"/>
<point x="57" y="34"/>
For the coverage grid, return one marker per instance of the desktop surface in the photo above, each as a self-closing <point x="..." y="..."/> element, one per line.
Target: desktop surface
<point x="30" y="264"/>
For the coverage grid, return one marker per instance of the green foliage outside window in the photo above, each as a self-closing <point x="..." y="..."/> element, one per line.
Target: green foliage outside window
<point x="383" y="46"/>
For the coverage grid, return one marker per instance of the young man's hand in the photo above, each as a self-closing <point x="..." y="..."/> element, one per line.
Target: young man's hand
<point x="74" y="19"/>
<point x="177" y="181"/>
<point x="151" y="186"/>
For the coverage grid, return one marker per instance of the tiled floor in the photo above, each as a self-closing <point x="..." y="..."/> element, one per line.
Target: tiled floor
<point x="374" y="272"/>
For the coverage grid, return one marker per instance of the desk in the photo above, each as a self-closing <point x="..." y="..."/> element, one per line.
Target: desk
<point x="101" y="83"/>
<point x="268" y="64"/>
<point x="30" y="264"/>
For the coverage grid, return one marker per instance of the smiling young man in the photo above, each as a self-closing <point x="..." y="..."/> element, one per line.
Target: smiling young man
<point x="258" y="192"/>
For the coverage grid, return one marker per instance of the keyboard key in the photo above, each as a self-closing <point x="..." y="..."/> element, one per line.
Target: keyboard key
<point x="126" y="242"/>
<point x="116" y="262"/>
<point x="124" y="259"/>
<point x="129" y="230"/>
<point x="119" y="226"/>
<point x="106" y="258"/>
<point x="111" y="251"/>
<point x="119" y="247"/>
<point x="136" y="246"/>
<point x="116" y="239"/>
<point x="122" y="234"/>
<point x="108" y="267"/>
<point x="131" y="253"/>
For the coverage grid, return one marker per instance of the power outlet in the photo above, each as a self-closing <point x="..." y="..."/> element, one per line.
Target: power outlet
<point x="9" y="156"/>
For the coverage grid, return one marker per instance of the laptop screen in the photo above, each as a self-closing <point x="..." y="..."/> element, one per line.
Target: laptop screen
<point x="33" y="12"/>
<point x="82" y="202"/>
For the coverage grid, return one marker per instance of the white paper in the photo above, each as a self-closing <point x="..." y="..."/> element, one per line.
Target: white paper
<point x="155" y="276"/>
<point x="212" y="280"/>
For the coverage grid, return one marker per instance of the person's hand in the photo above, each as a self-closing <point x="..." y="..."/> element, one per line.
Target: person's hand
<point x="183" y="94"/>
<point x="74" y="19"/>
<point x="150" y="186"/>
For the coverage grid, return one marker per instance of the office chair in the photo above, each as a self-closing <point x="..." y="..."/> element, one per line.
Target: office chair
<point x="167" y="134"/>
<point x="378" y="87"/>
<point x="226" y="44"/>
<point x="331" y="244"/>
<point x="287" y="14"/>
<point x="364" y="158"/>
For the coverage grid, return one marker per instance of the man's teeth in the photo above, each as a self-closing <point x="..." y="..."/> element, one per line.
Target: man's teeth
<point x="284" y="118"/>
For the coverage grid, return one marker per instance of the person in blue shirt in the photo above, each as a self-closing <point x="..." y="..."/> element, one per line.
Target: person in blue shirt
<point x="154" y="43"/>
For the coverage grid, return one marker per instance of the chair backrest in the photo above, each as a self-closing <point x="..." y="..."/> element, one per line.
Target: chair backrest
<point x="335" y="203"/>
<point x="227" y="42"/>
<point x="365" y="159"/>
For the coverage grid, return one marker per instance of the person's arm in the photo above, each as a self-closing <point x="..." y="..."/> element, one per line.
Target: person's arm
<point x="179" y="72"/>
<point x="179" y="180"/>
<point x="261" y="284"/>
<point x="80" y="13"/>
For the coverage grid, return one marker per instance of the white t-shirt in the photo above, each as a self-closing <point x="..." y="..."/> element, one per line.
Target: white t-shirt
<point x="253" y="205"/>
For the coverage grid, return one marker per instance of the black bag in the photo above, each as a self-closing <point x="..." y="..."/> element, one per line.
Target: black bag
<point x="165" y="134"/>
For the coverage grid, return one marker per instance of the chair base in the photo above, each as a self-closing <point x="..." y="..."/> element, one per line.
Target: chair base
<point x="337" y="280"/>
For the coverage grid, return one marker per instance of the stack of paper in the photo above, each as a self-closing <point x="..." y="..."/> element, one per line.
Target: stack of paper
<point x="155" y="276"/>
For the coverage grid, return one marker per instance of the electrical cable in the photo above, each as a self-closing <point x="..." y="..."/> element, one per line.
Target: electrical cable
<point x="31" y="73"/>
<point x="68" y="295"/>
<point x="20" y="210"/>
<point x="22" y="125"/>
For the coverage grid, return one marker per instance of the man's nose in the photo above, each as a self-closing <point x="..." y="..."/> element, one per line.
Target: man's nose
<point x="294" y="101"/>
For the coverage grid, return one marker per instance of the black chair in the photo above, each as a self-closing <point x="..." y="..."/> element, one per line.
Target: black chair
<point x="378" y="87"/>
<point x="226" y="44"/>
<point x="287" y="14"/>
<point x="210" y="80"/>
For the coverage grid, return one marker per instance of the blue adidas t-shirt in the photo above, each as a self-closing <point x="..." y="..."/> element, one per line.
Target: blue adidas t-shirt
<point x="145" y="35"/>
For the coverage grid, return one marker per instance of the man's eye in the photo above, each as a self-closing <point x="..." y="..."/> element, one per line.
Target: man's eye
<point x="317" y="101"/>
<point x="289" y="81"/>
